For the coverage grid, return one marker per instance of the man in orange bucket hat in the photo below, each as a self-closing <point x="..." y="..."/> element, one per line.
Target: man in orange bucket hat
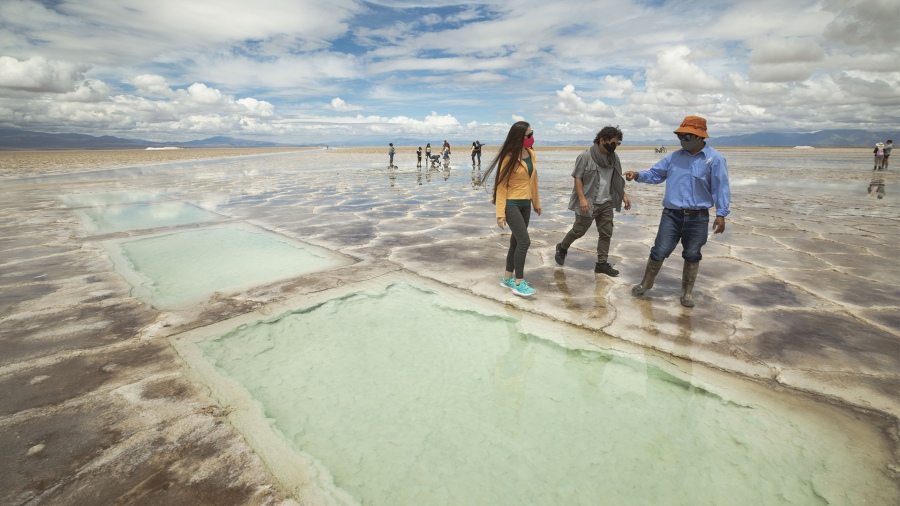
<point x="697" y="179"/>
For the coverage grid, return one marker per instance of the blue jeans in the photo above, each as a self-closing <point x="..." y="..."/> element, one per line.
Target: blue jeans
<point x="674" y="226"/>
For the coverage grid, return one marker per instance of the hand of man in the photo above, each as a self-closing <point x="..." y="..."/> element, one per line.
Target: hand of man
<point x="719" y="225"/>
<point x="585" y="206"/>
<point x="537" y="210"/>
<point x="501" y="222"/>
<point x="631" y="175"/>
<point x="627" y="202"/>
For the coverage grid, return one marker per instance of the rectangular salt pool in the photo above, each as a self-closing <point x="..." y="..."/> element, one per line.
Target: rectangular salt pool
<point x="175" y="268"/>
<point x="121" y="218"/>
<point x="390" y="393"/>
<point x="109" y="198"/>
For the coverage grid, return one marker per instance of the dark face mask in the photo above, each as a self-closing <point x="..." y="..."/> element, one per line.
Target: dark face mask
<point x="692" y="144"/>
<point x="610" y="148"/>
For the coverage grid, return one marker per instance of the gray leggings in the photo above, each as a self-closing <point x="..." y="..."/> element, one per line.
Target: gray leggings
<point x="517" y="218"/>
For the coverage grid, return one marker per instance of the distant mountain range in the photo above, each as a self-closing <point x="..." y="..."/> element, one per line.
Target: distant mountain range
<point x="816" y="139"/>
<point x="17" y="139"/>
<point x="14" y="138"/>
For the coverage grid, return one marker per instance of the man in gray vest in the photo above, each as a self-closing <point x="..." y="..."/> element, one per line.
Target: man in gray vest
<point x="599" y="188"/>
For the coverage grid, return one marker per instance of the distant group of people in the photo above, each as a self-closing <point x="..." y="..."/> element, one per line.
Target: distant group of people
<point x="882" y="153"/>
<point x="436" y="160"/>
<point x="697" y="178"/>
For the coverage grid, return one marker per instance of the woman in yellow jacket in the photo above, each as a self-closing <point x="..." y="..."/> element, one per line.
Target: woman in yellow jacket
<point x="515" y="193"/>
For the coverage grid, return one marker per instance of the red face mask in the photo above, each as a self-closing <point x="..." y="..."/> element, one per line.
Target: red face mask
<point x="529" y="141"/>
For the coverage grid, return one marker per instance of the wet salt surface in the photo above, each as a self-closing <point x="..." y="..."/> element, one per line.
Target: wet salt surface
<point x="171" y="269"/>
<point x="408" y="398"/>
<point x="121" y="218"/>
<point x="800" y="292"/>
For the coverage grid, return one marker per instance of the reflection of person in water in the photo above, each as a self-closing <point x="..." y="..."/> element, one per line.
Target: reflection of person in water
<point x="876" y="187"/>
<point x="476" y="177"/>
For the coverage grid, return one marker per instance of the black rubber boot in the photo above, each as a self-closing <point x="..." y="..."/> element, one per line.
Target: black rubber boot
<point x="653" y="267"/>
<point x="687" y="283"/>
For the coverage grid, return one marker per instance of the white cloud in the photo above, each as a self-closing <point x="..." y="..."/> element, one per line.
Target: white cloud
<point x="784" y="59"/>
<point x="152" y="86"/>
<point x="773" y="50"/>
<point x="304" y="68"/>
<point x="674" y="70"/>
<point x="574" y="108"/>
<point x="143" y="28"/>
<point x="339" y="105"/>
<point x="88" y="91"/>
<point x="781" y="72"/>
<point x="615" y="87"/>
<point x="41" y="75"/>
<point x="868" y="24"/>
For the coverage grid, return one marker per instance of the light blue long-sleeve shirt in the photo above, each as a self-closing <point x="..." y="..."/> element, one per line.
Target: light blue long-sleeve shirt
<point x="693" y="181"/>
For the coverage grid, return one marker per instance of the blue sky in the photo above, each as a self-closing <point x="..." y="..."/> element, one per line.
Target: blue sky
<point x="345" y="71"/>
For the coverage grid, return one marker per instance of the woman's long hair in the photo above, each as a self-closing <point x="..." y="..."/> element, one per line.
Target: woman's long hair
<point x="510" y="151"/>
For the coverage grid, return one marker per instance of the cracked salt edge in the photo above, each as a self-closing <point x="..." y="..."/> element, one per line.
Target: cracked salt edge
<point x="309" y="481"/>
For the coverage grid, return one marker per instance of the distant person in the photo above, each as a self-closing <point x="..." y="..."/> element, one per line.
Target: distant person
<point x="879" y="155"/>
<point x="888" y="147"/>
<point x="446" y="146"/>
<point x="446" y="157"/>
<point x="697" y="179"/>
<point x="598" y="189"/>
<point x="476" y="152"/>
<point x="419" y="157"/>
<point x="515" y="193"/>
<point x="428" y="151"/>
<point x="391" y="154"/>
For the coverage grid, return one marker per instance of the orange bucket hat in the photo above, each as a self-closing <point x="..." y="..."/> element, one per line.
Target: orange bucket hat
<point x="693" y="125"/>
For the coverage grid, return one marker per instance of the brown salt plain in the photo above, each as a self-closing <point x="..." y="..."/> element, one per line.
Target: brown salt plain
<point x="799" y="296"/>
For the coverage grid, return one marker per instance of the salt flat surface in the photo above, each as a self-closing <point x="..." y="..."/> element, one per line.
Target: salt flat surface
<point x="799" y="295"/>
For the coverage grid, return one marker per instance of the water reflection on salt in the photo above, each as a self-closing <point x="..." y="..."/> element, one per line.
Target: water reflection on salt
<point x="407" y="400"/>
<point x="109" y="219"/>
<point x="175" y="268"/>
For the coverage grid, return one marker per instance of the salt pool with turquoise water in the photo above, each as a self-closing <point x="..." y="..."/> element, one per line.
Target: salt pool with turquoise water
<point x="399" y="394"/>
<point x="172" y="269"/>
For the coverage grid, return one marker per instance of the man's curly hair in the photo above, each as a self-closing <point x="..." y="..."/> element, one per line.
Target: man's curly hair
<point x="608" y="132"/>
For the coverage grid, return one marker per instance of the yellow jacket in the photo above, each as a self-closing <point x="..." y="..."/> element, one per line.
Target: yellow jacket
<point x="519" y="186"/>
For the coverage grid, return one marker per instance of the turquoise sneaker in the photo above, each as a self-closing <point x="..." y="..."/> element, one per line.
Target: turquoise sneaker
<point x="522" y="289"/>
<point x="509" y="282"/>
